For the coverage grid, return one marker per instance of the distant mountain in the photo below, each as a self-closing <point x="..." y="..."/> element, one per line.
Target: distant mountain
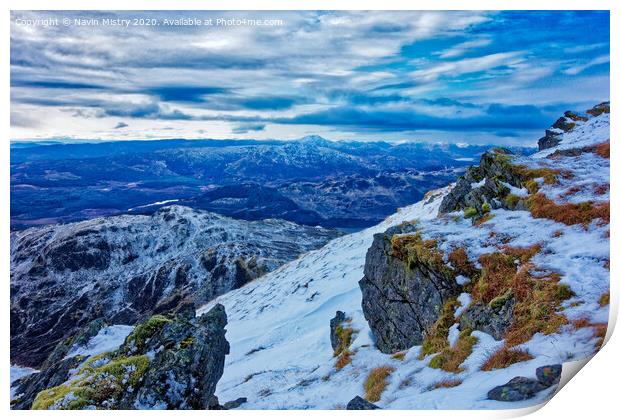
<point x="301" y="181"/>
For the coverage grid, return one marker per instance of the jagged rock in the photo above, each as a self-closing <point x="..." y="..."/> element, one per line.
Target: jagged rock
<point x="493" y="319"/>
<point x="602" y="108"/>
<point x="185" y="376"/>
<point x="334" y="323"/>
<point x="358" y="403"/>
<point x="401" y="301"/>
<point x="517" y="389"/>
<point x="549" y="375"/>
<point x="231" y="405"/>
<point x="492" y="170"/>
<point x="550" y="139"/>
<point x="123" y="269"/>
<point x="164" y="363"/>
<point x="29" y="386"/>
<point x="520" y="388"/>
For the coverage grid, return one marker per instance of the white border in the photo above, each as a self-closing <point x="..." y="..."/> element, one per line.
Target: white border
<point x="592" y="396"/>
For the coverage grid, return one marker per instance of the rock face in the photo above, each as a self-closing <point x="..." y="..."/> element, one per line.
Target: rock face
<point x="402" y="299"/>
<point x="122" y="269"/>
<point x="334" y="323"/>
<point x="165" y="363"/>
<point x="521" y="388"/>
<point x="358" y="403"/>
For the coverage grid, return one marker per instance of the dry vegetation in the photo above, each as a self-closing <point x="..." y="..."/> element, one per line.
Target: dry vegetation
<point x="568" y="213"/>
<point x="447" y="383"/>
<point x="376" y="382"/>
<point x="505" y="357"/>
<point x="450" y="358"/>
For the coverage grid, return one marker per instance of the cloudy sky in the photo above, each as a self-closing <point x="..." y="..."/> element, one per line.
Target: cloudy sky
<point x="479" y="77"/>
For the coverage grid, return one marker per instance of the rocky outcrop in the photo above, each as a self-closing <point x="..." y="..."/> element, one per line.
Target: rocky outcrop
<point x="565" y="124"/>
<point x="494" y="318"/>
<point x="358" y="403"/>
<point x="521" y="388"/>
<point x="231" y="405"/>
<point x="402" y="296"/>
<point x="165" y="363"/>
<point x="126" y="268"/>
<point x="334" y="324"/>
<point x="483" y="185"/>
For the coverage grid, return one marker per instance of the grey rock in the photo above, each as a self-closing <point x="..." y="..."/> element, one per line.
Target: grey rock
<point x="358" y="403"/>
<point x="230" y="405"/>
<point x="517" y="389"/>
<point x="29" y="386"/>
<point x="549" y="375"/>
<point x="401" y="302"/>
<point x="491" y="319"/>
<point x="520" y="388"/>
<point x="185" y="373"/>
<point x="336" y="321"/>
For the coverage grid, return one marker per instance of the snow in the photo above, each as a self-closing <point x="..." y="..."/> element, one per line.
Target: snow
<point x="478" y="184"/>
<point x="18" y="372"/>
<point x="107" y="339"/>
<point x="465" y="300"/>
<point x="462" y="280"/>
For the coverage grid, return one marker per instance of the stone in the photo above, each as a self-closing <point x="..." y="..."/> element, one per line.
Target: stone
<point x="517" y="389"/>
<point x="549" y="375"/>
<point x="334" y="323"/>
<point x="230" y="405"/>
<point x="491" y="319"/>
<point x="358" y="403"/>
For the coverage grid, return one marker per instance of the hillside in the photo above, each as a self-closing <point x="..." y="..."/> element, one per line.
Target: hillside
<point x="281" y="356"/>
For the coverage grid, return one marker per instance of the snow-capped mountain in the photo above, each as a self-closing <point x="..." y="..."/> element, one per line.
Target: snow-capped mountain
<point x="125" y="267"/>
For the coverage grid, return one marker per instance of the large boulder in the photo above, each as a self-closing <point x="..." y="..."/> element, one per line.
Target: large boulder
<point x="403" y="297"/>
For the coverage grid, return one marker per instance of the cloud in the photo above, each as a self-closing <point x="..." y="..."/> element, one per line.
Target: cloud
<point x="121" y="125"/>
<point x="464" y="47"/>
<point x="245" y="128"/>
<point x="602" y="59"/>
<point x="333" y="71"/>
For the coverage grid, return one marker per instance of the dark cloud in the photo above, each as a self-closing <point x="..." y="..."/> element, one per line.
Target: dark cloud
<point x="121" y="125"/>
<point x="245" y="128"/>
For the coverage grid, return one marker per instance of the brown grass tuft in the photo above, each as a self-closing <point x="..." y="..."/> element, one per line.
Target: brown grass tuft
<point x="447" y="383"/>
<point x="460" y="261"/>
<point x="603" y="150"/>
<point x="570" y="214"/>
<point x="604" y="299"/>
<point x="376" y="382"/>
<point x="505" y="357"/>
<point x="399" y="356"/>
<point x="343" y="359"/>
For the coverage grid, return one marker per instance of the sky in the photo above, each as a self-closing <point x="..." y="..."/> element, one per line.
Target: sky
<point x="468" y="77"/>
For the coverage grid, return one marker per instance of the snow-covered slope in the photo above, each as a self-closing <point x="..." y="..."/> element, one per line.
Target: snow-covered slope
<point x="279" y="333"/>
<point x="278" y="325"/>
